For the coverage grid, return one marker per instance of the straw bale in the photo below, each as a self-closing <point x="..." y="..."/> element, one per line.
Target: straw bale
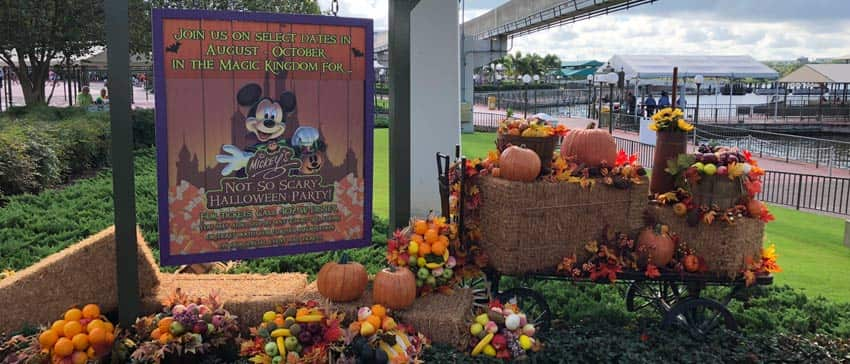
<point x="79" y="274"/>
<point x="444" y="318"/>
<point x="244" y="295"/>
<point x="530" y="227"/>
<point x="724" y="247"/>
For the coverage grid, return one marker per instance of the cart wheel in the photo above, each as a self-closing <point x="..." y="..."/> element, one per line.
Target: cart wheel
<point x="700" y="316"/>
<point x="532" y="304"/>
<point x="662" y="295"/>
<point x="481" y="293"/>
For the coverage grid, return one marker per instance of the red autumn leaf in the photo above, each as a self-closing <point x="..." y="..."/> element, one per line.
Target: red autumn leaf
<point x="652" y="271"/>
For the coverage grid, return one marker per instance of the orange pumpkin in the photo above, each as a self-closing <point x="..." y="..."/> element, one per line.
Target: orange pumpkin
<point x="590" y="146"/>
<point x="691" y="263"/>
<point x="755" y="208"/>
<point x="394" y="288"/>
<point x="519" y="164"/>
<point x="343" y="281"/>
<point x="659" y="246"/>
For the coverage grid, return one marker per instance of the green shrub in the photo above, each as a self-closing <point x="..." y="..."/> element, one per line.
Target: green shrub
<point x="382" y="121"/>
<point x="27" y="162"/>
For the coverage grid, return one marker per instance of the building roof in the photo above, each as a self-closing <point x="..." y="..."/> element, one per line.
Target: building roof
<point x="661" y="66"/>
<point x="820" y="73"/>
<point x="577" y="73"/>
<point x="588" y="63"/>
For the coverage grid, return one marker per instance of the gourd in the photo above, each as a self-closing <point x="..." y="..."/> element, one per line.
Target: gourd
<point x="342" y="281"/>
<point x="691" y="263"/>
<point x="519" y="164"/>
<point x="659" y="246"/>
<point x="394" y="288"/>
<point x="755" y="208"/>
<point x="590" y="146"/>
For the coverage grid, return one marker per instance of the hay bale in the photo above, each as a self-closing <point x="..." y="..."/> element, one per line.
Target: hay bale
<point x="725" y="247"/>
<point x="244" y="295"/>
<point x="442" y="318"/>
<point x="36" y="295"/>
<point x="530" y="227"/>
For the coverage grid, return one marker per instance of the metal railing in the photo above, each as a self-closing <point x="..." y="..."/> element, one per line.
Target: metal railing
<point x="796" y="190"/>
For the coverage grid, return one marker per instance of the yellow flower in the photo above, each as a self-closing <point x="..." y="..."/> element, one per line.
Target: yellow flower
<point x="656" y="117"/>
<point x="678" y="112"/>
<point x="684" y="125"/>
<point x="653" y="126"/>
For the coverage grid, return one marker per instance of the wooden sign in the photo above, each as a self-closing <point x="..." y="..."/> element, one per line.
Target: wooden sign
<point x="264" y="133"/>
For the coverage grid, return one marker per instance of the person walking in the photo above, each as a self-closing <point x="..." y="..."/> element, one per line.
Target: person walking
<point x="631" y="103"/>
<point x="664" y="101"/>
<point x="103" y="98"/>
<point x="681" y="102"/>
<point x="649" y="105"/>
<point x="84" y="99"/>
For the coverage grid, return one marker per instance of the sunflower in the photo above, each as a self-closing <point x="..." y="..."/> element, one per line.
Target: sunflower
<point x="684" y="125"/>
<point x="653" y="126"/>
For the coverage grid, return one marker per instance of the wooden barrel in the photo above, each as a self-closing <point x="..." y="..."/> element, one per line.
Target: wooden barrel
<point x="668" y="146"/>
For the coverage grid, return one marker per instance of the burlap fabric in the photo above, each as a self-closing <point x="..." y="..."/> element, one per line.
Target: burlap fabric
<point x="79" y="274"/>
<point x="443" y="318"/>
<point x="724" y="247"/>
<point x="531" y="227"/>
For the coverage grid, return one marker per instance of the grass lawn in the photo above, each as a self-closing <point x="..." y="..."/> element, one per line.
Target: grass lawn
<point x="810" y="247"/>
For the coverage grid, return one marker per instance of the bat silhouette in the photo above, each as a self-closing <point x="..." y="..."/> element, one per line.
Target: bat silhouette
<point x="173" y="48"/>
<point x="357" y="52"/>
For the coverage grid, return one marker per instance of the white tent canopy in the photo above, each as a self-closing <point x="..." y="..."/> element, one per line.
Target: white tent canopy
<point x="649" y="66"/>
<point x="820" y="73"/>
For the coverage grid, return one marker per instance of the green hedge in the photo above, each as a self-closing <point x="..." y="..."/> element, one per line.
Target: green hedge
<point x="43" y="147"/>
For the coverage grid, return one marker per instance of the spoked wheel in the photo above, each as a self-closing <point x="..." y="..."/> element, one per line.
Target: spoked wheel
<point x="700" y="316"/>
<point x="480" y="288"/>
<point x="661" y="294"/>
<point x="531" y="303"/>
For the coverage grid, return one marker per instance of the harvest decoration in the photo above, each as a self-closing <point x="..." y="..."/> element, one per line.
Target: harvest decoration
<point x="503" y="331"/>
<point x="715" y="162"/>
<point x="532" y="127"/>
<point x="592" y="147"/>
<point x="425" y="247"/>
<point x="186" y="327"/>
<point x="377" y="337"/>
<point x="669" y="119"/>
<point x="766" y="265"/>
<point x="80" y="336"/>
<point x="342" y="281"/>
<point x="297" y="333"/>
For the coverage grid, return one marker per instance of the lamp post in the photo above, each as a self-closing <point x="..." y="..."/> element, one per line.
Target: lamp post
<point x="536" y="82"/>
<point x="526" y="78"/>
<point x="698" y="79"/>
<point x="612" y="79"/>
<point x="589" y="95"/>
<point x="498" y="91"/>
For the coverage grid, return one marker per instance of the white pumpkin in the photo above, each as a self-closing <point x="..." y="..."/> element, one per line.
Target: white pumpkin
<point x="512" y="322"/>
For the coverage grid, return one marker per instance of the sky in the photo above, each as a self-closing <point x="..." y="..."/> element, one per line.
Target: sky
<point x="765" y="29"/>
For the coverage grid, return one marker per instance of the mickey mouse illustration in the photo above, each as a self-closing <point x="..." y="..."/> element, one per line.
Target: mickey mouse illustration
<point x="266" y="119"/>
<point x="309" y="146"/>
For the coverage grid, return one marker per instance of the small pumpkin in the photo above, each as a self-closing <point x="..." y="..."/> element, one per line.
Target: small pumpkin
<point x="590" y="146"/>
<point x="342" y="281"/>
<point x="658" y="245"/>
<point x="519" y="164"/>
<point x="755" y="208"/>
<point x="691" y="263"/>
<point x="394" y="288"/>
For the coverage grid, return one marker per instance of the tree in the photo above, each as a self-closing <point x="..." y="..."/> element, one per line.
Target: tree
<point x="140" y="13"/>
<point x="38" y="32"/>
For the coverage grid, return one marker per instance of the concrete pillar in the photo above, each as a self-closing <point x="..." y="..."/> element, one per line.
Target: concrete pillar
<point x="434" y="96"/>
<point x="476" y="53"/>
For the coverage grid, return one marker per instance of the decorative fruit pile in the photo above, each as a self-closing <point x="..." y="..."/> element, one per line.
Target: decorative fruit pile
<point x="738" y="165"/>
<point x="378" y="338"/>
<point x="294" y="334"/>
<point x="80" y="336"/>
<point x="504" y="332"/>
<point x="532" y="127"/>
<point x="425" y="247"/>
<point x="186" y="326"/>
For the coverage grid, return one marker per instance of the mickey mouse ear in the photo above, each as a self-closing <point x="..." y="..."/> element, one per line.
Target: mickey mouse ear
<point x="287" y="101"/>
<point x="249" y="94"/>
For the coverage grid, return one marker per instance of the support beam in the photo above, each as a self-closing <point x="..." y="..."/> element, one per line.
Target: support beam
<point x="399" y="100"/>
<point x="118" y="53"/>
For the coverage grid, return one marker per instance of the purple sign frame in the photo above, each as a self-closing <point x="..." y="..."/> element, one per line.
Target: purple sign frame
<point x="162" y="133"/>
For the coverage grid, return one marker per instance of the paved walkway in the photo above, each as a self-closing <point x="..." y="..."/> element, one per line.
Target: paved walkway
<point x="764" y="162"/>
<point x="141" y="99"/>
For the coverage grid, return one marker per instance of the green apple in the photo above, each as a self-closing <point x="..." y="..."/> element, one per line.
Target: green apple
<point x="482" y="319"/>
<point x="290" y="343"/>
<point x="475" y="329"/>
<point x="271" y="349"/>
<point x="699" y="166"/>
<point x="709" y="169"/>
<point x="431" y="281"/>
<point x="423" y="273"/>
<point x="177" y="328"/>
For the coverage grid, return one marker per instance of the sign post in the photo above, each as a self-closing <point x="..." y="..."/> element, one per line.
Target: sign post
<point x="264" y="134"/>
